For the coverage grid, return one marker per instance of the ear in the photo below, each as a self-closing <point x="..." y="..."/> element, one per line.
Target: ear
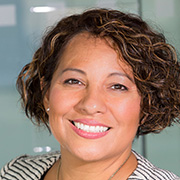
<point x="46" y="97"/>
<point x="143" y="119"/>
<point x="46" y="101"/>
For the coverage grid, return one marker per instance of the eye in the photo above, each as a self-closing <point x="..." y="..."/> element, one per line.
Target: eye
<point x="72" y="81"/>
<point x="119" y="87"/>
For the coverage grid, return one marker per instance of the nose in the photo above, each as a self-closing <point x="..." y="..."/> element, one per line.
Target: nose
<point x="91" y="103"/>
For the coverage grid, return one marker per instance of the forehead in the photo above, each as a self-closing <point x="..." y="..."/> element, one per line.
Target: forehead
<point x="85" y="46"/>
<point x="87" y="39"/>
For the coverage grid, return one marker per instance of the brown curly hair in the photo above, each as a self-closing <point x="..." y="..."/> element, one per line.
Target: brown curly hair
<point x="153" y="61"/>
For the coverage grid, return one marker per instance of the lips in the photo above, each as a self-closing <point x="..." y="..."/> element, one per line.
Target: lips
<point x="89" y="129"/>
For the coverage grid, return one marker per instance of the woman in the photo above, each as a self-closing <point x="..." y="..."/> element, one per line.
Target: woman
<point x="99" y="79"/>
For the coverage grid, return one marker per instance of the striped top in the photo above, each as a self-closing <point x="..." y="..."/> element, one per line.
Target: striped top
<point x="34" y="168"/>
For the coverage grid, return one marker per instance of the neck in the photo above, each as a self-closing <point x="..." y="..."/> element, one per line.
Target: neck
<point x="74" y="168"/>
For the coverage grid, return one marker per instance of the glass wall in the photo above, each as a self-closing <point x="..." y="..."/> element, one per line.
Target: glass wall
<point x="22" y="25"/>
<point x="164" y="149"/>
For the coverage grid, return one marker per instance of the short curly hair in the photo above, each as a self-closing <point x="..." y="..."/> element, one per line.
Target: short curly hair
<point x="153" y="61"/>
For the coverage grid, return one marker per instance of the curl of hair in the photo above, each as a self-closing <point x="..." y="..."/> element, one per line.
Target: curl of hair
<point x="153" y="61"/>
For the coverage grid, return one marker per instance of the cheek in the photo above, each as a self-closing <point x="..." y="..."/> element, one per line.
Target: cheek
<point x="58" y="100"/>
<point x="127" y="111"/>
<point x="61" y="101"/>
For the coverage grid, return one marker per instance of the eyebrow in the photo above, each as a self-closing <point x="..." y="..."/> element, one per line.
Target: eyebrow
<point x="73" y="69"/>
<point x="112" y="74"/>
<point x="121" y="74"/>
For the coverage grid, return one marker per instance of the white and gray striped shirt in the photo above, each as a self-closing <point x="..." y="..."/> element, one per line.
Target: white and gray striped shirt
<point x="34" y="168"/>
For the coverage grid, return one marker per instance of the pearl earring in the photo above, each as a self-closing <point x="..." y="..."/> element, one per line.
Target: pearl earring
<point x="48" y="109"/>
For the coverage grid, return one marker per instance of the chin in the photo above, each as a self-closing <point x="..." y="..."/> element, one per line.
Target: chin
<point x="89" y="154"/>
<point x="89" y="157"/>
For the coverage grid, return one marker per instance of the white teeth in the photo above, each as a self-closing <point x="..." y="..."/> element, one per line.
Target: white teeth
<point x="87" y="128"/>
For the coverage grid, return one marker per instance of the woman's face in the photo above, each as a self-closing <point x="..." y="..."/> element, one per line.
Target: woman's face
<point x="94" y="102"/>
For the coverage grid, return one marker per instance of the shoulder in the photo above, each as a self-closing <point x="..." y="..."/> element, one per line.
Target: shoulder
<point x="146" y="170"/>
<point x="29" y="167"/>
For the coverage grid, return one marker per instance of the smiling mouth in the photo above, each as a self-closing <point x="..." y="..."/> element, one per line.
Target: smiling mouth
<point x="92" y="129"/>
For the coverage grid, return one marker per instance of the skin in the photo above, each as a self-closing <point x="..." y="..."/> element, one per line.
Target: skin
<point x="103" y="90"/>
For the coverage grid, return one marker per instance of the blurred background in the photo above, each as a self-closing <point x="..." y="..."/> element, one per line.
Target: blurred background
<point x="22" y="24"/>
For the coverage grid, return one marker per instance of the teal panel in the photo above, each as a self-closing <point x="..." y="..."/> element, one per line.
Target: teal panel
<point x="17" y="45"/>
